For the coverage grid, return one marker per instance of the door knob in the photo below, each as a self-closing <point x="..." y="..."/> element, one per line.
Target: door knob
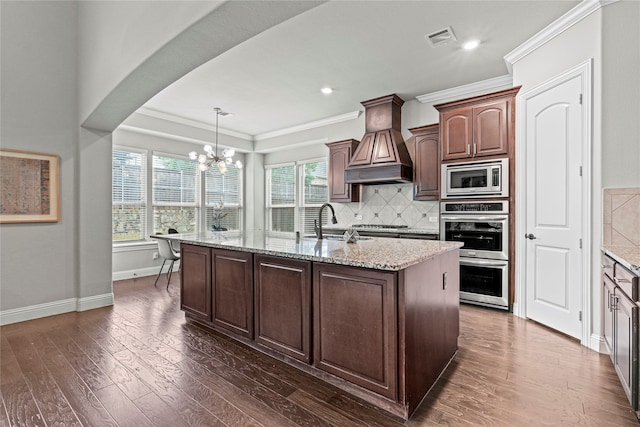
<point x="530" y="236"/>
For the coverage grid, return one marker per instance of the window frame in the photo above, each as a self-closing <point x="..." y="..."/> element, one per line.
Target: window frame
<point x="197" y="203"/>
<point x="268" y="200"/>
<point x="148" y="222"/>
<point x="239" y="205"/>
<point x="299" y="202"/>
<point x="145" y="195"/>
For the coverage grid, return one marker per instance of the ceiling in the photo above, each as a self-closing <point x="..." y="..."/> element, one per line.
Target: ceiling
<point x="363" y="50"/>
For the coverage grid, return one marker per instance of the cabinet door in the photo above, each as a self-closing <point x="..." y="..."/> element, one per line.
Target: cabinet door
<point x="339" y="156"/>
<point x="626" y="345"/>
<point x="490" y="129"/>
<point x="354" y="314"/>
<point x="195" y="281"/>
<point x="232" y="291"/>
<point x="456" y="133"/>
<point x="426" y="166"/>
<point x="283" y="305"/>
<point x="608" y="314"/>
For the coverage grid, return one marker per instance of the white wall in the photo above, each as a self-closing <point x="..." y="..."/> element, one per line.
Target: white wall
<point x="39" y="113"/>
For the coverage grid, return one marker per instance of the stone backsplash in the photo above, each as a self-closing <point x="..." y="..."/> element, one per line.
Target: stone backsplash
<point x="621" y="217"/>
<point x="390" y="204"/>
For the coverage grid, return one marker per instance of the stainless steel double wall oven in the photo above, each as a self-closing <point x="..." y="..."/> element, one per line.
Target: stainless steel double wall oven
<point x="483" y="227"/>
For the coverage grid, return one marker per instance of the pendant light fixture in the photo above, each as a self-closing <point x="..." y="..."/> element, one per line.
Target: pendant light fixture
<point x="210" y="156"/>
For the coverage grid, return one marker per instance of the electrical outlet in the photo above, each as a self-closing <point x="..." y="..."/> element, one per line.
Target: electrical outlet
<point x="433" y="219"/>
<point x="155" y="255"/>
<point x="359" y="217"/>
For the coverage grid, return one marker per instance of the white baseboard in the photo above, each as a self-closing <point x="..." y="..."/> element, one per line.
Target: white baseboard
<point x="140" y="272"/>
<point x="96" y="301"/>
<point x="597" y="344"/>
<point x="37" y="311"/>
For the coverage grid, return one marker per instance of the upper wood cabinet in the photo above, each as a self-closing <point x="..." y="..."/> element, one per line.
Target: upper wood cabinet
<point x="340" y="153"/>
<point x="426" y="162"/>
<point x="478" y="127"/>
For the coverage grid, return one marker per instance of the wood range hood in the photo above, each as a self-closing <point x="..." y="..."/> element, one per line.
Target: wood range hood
<point x="382" y="156"/>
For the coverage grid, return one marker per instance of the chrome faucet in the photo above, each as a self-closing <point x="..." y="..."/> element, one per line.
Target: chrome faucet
<point x="317" y="223"/>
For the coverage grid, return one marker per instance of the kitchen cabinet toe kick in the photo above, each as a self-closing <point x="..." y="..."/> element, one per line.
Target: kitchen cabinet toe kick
<point x="384" y="337"/>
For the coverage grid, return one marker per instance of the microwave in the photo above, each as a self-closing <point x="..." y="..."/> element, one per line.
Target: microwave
<point x="475" y="179"/>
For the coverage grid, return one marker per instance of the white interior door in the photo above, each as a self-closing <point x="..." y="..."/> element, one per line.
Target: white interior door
<point x="554" y="207"/>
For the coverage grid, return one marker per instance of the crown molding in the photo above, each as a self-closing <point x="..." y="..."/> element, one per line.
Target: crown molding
<point x="465" y="91"/>
<point x="265" y="150"/>
<point x="145" y="131"/>
<point x="557" y="27"/>
<point x="311" y="125"/>
<point x="146" y="111"/>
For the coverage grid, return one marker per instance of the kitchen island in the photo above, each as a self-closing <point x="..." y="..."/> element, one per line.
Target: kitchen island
<point x="378" y="318"/>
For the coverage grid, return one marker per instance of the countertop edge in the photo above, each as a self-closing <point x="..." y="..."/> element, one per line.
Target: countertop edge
<point x="613" y="252"/>
<point x="328" y="260"/>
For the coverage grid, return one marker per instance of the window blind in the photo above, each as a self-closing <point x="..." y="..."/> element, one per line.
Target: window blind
<point x="281" y="198"/>
<point x="128" y="195"/>
<point x="315" y="192"/>
<point x="175" y="194"/>
<point x="228" y="190"/>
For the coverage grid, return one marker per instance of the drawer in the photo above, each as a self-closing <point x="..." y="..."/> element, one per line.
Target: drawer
<point x="607" y="266"/>
<point x="626" y="280"/>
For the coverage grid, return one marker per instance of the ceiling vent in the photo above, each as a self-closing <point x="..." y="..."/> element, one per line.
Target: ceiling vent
<point x="441" y="37"/>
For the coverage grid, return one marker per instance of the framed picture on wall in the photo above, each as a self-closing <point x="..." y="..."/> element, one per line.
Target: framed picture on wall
<point x="29" y="187"/>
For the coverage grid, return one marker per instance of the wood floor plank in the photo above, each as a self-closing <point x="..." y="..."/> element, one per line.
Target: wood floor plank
<point x="48" y="397"/>
<point x="125" y="380"/>
<point x="121" y="408"/>
<point x="82" y="400"/>
<point x="190" y="410"/>
<point x="4" y="420"/>
<point x="92" y="375"/>
<point x="160" y="414"/>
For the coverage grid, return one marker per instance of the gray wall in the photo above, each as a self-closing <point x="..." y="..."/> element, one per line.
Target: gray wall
<point x="39" y="113"/>
<point x="621" y="95"/>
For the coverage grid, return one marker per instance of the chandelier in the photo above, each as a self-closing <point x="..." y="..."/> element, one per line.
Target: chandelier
<point x="210" y="156"/>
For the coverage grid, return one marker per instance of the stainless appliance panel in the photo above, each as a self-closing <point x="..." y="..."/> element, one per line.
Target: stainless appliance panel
<point x="484" y="282"/>
<point x="483" y="236"/>
<point x="475" y="179"/>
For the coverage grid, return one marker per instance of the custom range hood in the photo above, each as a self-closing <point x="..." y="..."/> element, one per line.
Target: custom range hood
<point x="382" y="156"/>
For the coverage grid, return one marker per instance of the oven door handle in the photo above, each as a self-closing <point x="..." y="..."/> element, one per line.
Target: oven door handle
<point x="476" y="261"/>
<point x="492" y="218"/>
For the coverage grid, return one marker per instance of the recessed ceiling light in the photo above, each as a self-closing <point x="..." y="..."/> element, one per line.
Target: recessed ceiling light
<point x="326" y="90"/>
<point x="470" y="45"/>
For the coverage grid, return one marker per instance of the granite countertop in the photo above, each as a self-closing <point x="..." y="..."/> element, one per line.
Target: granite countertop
<point x="629" y="256"/>
<point x="379" y="253"/>
<point x="333" y="228"/>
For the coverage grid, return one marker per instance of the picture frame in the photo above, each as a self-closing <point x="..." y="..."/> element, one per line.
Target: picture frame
<point x="29" y="187"/>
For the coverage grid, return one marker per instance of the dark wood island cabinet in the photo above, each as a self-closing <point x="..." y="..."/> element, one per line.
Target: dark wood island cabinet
<point x="378" y="318"/>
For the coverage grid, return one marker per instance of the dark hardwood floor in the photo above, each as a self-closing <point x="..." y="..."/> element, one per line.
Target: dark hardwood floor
<point x="139" y="363"/>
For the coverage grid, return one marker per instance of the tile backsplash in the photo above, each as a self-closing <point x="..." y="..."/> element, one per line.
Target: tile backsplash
<point x="621" y="216"/>
<point x="391" y="204"/>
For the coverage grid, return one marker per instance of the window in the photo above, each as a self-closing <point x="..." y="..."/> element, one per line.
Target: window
<point x="293" y="200"/>
<point x="315" y="192"/>
<point x="128" y="196"/>
<point x="226" y="189"/>
<point x="281" y="198"/>
<point x="176" y="195"/>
